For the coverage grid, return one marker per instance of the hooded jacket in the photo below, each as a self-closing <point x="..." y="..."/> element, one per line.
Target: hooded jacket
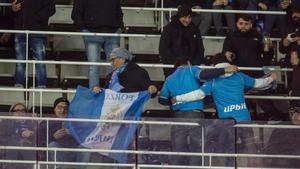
<point x="180" y="41"/>
<point x="34" y="15"/>
<point x="98" y="15"/>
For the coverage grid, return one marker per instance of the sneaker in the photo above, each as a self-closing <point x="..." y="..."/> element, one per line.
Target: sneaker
<point x="19" y="86"/>
<point x="41" y="87"/>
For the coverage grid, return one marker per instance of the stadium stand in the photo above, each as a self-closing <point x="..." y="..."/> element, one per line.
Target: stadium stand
<point x="151" y="137"/>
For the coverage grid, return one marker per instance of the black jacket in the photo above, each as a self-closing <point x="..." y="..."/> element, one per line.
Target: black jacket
<point x="248" y="49"/>
<point x="133" y="78"/>
<point x="180" y="41"/>
<point x="98" y="15"/>
<point x="34" y="15"/>
<point x="292" y="27"/>
<point x="67" y="141"/>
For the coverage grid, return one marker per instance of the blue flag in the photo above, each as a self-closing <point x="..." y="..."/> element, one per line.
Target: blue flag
<point x="106" y="105"/>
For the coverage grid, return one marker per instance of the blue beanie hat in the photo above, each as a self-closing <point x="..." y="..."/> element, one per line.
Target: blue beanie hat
<point x="122" y="53"/>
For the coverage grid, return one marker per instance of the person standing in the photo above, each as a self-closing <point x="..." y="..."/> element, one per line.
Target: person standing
<point x="101" y="17"/>
<point x="31" y="15"/>
<point x="228" y="95"/>
<point x="187" y="111"/>
<point x="181" y="38"/>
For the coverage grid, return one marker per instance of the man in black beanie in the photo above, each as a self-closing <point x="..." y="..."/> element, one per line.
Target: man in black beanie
<point x="58" y="135"/>
<point x="181" y="38"/>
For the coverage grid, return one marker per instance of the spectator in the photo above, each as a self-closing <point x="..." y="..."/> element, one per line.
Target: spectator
<point x="244" y="47"/>
<point x="201" y="20"/>
<point x="127" y="76"/>
<point x="6" y="22"/>
<point x="20" y="133"/>
<point x="181" y="38"/>
<point x="295" y="85"/>
<point x="293" y="31"/>
<point x="280" y="20"/>
<point x="31" y="15"/>
<point x="228" y="91"/>
<point x="103" y="17"/>
<point x="284" y="142"/>
<point x="228" y="95"/>
<point x="217" y="17"/>
<point x="59" y="136"/>
<point x="173" y="86"/>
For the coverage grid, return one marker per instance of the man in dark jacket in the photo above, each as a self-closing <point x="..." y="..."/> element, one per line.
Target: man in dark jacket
<point x="58" y="134"/>
<point x="127" y="76"/>
<point x="245" y="47"/>
<point x="181" y="38"/>
<point x="102" y="17"/>
<point x="31" y="15"/>
<point x="202" y="20"/>
<point x="292" y="36"/>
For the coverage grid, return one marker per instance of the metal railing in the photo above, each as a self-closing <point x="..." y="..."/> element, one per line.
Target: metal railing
<point x="137" y="152"/>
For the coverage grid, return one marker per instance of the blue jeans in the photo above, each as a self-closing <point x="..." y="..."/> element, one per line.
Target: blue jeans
<point x="217" y="18"/>
<point x="38" y="45"/>
<point x="93" y="45"/>
<point x="281" y="22"/>
<point x="203" y="21"/>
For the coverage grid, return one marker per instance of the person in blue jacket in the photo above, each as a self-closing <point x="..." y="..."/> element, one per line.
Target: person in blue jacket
<point x="186" y="78"/>
<point x="228" y="95"/>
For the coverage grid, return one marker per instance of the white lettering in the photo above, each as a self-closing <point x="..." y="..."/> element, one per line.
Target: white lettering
<point x="233" y="107"/>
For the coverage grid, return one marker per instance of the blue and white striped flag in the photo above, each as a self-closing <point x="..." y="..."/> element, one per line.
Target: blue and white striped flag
<point x="106" y="105"/>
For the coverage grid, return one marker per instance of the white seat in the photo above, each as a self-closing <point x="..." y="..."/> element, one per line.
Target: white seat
<point x="156" y="74"/>
<point x="11" y="97"/>
<point x="74" y="71"/>
<point x="139" y="18"/>
<point x="43" y="99"/>
<point x="50" y="69"/>
<point x="143" y="45"/>
<point x="212" y="47"/>
<point x="62" y="15"/>
<point x="7" y="69"/>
